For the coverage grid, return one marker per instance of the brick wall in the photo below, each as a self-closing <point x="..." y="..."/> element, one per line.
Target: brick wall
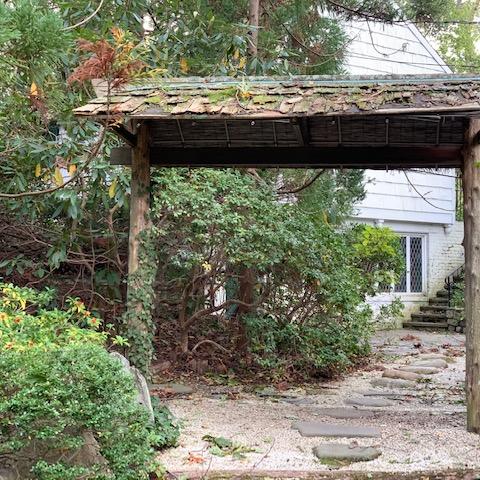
<point x="445" y="254"/>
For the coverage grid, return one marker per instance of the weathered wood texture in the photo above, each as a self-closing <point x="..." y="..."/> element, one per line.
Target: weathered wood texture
<point x="139" y="207"/>
<point x="281" y="97"/>
<point x="471" y="191"/>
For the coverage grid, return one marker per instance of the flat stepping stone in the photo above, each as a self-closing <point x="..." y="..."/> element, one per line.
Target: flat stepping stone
<point x="174" y="388"/>
<point x="320" y="429"/>
<point x="433" y="356"/>
<point x="403" y="375"/>
<point x="392" y="383"/>
<point x="339" y="412"/>
<point x="381" y="393"/>
<point x="433" y="363"/>
<point x="331" y="452"/>
<point x="421" y="370"/>
<point x="369" y="402"/>
<point x="300" y="401"/>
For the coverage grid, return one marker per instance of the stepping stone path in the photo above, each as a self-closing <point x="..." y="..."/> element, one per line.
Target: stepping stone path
<point x="331" y="452"/>
<point x="320" y="429"/>
<point x="420" y="370"/>
<point x="392" y="383"/>
<point x="340" y="412"/>
<point x="433" y="363"/>
<point x="411" y="376"/>
<point x="369" y="402"/>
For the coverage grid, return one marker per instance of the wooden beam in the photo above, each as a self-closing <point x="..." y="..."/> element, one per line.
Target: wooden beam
<point x="125" y="134"/>
<point x="471" y="196"/>
<point x="299" y="157"/>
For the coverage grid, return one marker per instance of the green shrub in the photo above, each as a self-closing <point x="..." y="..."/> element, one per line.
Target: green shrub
<point x="58" y="384"/>
<point x="320" y="346"/>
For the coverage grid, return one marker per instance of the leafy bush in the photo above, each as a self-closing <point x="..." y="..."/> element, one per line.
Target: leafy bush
<point x="59" y="386"/>
<point x="320" y="346"/>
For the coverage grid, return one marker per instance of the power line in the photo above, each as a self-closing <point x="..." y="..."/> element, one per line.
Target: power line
<point x="423" y="196"/>
<point x="370" y="16"/>
<point x="371" y="57"/>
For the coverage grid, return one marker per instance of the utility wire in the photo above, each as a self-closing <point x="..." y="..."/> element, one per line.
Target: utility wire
<point x="423" y="196"/>
<point x="376" y="18"/>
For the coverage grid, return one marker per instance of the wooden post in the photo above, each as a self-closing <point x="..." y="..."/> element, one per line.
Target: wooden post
<point x="139" y="217"/>
<point x="471" y="195"/>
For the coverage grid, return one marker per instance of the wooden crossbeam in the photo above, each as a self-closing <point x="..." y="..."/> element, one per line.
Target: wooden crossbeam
<point x="299" y="157"/>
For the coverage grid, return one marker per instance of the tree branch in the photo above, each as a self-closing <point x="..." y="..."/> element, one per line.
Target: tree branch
<point x="92" y="155"/>
<point x="304" y="186"/>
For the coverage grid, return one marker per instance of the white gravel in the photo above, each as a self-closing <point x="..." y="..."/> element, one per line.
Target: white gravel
<point x="424" y="431"/>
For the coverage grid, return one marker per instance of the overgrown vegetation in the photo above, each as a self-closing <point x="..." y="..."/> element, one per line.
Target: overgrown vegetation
<point x="68" y="410"/>
<point x="282" y="285"/>
<point x="71" y="233"/>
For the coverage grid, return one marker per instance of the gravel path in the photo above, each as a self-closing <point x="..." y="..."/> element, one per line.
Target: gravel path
<point x="424" y="430"/>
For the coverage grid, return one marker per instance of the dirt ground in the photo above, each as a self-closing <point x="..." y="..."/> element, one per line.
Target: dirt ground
<point x="422" y="431"/>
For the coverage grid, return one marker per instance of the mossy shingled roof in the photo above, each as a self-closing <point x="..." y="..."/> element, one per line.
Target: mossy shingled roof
<point x="273" y="97"/>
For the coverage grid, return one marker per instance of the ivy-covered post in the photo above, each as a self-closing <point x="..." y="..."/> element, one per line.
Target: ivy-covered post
<point x="141" y="266"/>
<point x="471" y="218"/>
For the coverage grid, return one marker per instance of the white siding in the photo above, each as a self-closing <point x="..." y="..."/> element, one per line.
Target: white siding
<point x="390" y="196"/>
<point x="378" y="48"/>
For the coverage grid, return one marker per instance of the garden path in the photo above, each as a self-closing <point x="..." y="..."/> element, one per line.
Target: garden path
<point x="405" y="413"/>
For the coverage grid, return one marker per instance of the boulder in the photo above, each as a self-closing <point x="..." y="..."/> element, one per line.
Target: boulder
<point x="19" y="464"/>
<point x="143" y="395"/>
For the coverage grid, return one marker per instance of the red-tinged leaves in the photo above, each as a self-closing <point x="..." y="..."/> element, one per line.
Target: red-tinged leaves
<point x="113" y="63"/>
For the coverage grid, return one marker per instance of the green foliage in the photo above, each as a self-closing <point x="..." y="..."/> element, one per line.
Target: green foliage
<point x="26" y="323"/>
<point x="312" y="276"/>
<point x="137" y="322"/>
<point x="318" y="346"/>
<point x="58" y="383"/>
<point x="378" y="255"/>
<point x="221" y="447"/>
<point x="389" y="315"/>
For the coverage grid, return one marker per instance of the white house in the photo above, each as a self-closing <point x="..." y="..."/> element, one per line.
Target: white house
<point x="420" y="206"/>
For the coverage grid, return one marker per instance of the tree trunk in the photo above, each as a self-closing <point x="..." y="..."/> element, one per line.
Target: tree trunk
<point x="247" y="295"/>
<point x="471" y="195"/>
<point x="253" y="21"/>
<point x="139" y="222"/>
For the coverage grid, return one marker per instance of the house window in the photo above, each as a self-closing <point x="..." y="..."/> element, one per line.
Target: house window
<point x="413" y="279"/>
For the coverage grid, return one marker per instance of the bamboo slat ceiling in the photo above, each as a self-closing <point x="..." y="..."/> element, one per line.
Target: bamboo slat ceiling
<point x="318" y="117"/>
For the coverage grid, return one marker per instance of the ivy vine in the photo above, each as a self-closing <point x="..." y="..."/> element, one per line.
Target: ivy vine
<point x="138" y="324"/>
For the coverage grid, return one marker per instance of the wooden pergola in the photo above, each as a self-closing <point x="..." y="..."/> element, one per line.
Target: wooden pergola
<point x="307" y="122"/>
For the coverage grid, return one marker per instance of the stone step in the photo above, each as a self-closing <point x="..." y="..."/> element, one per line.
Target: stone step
<point x="439" y="308"/>
<point x="434" y="325"/>
<point x="428" y="317"/>
<point x="442" y="293"/>
<point x="438" y="301"/>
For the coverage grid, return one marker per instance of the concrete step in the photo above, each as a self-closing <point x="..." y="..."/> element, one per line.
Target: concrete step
<point x="429" y="325"/>
<point x="442" y="293"/>
<point x="438" y="301"/>
<point x="429" y="317"/>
